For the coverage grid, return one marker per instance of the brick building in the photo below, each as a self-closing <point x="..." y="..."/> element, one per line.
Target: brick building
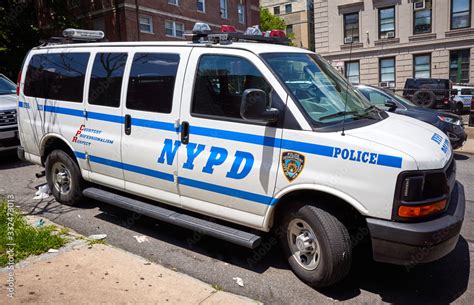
<point x="131" y="20"/>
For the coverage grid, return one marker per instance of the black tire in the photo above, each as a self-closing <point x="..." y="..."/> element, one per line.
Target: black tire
<point x="424" y="98"/>
<point x="333" y="240"/>
<point x="459" y="109"/>
<point x="74" y="194"/>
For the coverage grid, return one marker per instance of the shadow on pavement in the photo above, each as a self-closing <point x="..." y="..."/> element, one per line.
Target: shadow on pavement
<point x="258" y="260"/>
<point x="9" y="160"/>
<point x="461" y="157"/>
<point x="440" y="282"/>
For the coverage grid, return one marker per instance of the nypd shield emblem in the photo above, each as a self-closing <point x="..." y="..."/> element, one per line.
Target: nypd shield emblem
<point x="292" y="163"/>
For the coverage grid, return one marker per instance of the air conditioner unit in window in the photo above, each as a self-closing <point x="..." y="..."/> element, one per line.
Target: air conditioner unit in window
<point x="348" y="40"/>
<point x="383" y="84"/>
<point x="391" y="34"/>
<point x="419" y="5"/>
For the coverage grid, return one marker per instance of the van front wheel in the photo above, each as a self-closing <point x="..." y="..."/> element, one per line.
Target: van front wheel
<point x="64" y="177"/>
<point x="317" y="246"/>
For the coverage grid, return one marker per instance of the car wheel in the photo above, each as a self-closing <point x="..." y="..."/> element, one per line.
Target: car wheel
<point x="64" y="177"/>
<point x="424" y="98"/>
<point x="317" y="246"/>
<point x="459" y="108"/>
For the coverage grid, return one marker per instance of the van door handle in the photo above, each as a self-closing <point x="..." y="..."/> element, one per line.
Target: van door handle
<point x="185" y="133"/>
<point x="128" y="124"/>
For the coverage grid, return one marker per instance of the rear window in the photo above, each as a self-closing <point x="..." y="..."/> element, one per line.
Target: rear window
<point x="58" y="76"/>
<point x="467" y="91"/>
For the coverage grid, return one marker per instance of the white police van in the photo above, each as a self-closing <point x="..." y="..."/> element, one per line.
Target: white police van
<point x="463" y="98"/>
<point x="258" y="136"/>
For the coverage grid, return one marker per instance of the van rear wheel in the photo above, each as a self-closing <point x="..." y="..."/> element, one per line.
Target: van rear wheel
<point x="64" y="177"/>
<point x="317" y="246"/>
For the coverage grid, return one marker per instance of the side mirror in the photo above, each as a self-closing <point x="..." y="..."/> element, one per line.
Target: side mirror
<point x="254" y="107"/>
<point x="391" y="105"/>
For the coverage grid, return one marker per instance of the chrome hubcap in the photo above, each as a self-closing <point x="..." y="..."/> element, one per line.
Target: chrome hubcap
<point x="303" y="244"/>
<point x="62" y="178"/>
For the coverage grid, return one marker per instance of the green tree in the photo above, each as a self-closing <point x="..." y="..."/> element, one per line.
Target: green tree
<point x="18" y="34"/>
<point x="268" y="22"/>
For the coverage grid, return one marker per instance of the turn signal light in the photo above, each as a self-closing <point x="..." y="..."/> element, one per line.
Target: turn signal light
<point x="422" y="210"/>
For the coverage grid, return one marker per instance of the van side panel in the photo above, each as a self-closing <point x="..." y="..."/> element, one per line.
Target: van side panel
<point x="50" y="101"/>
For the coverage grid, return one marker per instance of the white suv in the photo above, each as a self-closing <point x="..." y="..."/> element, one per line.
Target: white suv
<point x="258" y="136"/>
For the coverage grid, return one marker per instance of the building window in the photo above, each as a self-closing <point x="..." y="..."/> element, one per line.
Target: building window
<point x="201" y="6"/>
<point x="289" y="29"/>
<point x="276" y="10"/>
<point x="387" y="22"/>
<point x="241" y="12"/>
<point x="460" y="14"/>
<point x="224" y="11"/>
<point x="351" y="28"/>
<point x="174" y="29"/>
<point x="387" y="70"/>
<point x="288" y="8"/>
<point x="146" y="24"/>
<point x="422" y="17"/>
<point x="459" y="66"/>
<point x="422" y="66"/>
<point x="174" y="2"/>
<point x="352" y="71"/>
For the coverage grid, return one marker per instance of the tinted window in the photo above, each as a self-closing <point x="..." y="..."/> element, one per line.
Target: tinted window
<point x="57" y="76"/>
<point x="6" y="87"/>
<point x="221" y="81"/>
<point x="151" y="83"/>
<point x="106" y="79"/>
<point x="467" y="91"/>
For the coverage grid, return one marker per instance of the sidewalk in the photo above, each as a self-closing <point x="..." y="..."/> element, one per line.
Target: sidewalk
<point x="468" y="147"/>
<point x="82" y="274"/>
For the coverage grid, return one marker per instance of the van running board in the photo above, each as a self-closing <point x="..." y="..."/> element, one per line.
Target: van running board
<point x="226" y="233"/>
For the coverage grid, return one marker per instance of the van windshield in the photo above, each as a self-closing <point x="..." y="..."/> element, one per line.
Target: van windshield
<point x="326" y="96"/>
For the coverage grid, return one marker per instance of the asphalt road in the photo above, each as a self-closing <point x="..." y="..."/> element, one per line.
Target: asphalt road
<point x="265" y="274"/>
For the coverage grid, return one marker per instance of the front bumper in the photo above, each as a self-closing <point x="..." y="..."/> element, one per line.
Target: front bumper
<point x="414" y="243"/>
<point x="457" y="137"/>
<point x="9" y="139"/>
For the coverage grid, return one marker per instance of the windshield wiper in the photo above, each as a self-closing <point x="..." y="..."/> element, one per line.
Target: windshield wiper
<point x="337" y="114"/>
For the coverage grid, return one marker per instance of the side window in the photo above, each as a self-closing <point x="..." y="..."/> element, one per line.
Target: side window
<point x="151" y="83"/>
<point x="467" y="91"/>
<point x="220" y="82"/>
<point x="57" y="76"/>
<point x="375" y="98"/>
<point x="106" y="79"/>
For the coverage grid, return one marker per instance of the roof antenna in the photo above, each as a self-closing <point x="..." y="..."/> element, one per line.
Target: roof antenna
<point x="347" y="86"/>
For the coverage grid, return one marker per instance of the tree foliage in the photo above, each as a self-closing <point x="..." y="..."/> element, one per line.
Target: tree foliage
<point x="268" y="22"/>
<point x="18" y="34"/>
<point x="20" y="30"/>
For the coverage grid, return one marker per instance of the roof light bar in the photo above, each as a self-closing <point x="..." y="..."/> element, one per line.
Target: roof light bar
<point x="84" y="35"/>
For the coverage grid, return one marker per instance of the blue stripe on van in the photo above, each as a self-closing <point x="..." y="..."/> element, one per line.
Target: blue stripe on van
<point x="154" y="124"/>
<point x="184" y="181"/>
<point x="227" y="191"/>
<point x="316" y="149"/>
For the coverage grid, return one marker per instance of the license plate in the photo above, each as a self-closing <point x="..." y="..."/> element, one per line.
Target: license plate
<point x="7" y="134"/>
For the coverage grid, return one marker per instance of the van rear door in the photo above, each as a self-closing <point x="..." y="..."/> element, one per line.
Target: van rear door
<point x="104" y="122"/>
<point x="151" y="113"/>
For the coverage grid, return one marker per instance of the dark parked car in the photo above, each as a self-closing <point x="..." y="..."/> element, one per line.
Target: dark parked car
<point x="449" y="123"/>
<point x="429" y="92"/>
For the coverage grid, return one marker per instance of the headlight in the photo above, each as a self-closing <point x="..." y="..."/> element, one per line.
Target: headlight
<point x="449" y="120"/>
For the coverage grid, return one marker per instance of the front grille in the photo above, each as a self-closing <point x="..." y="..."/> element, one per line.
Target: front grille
<point x="7" y="117"/>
